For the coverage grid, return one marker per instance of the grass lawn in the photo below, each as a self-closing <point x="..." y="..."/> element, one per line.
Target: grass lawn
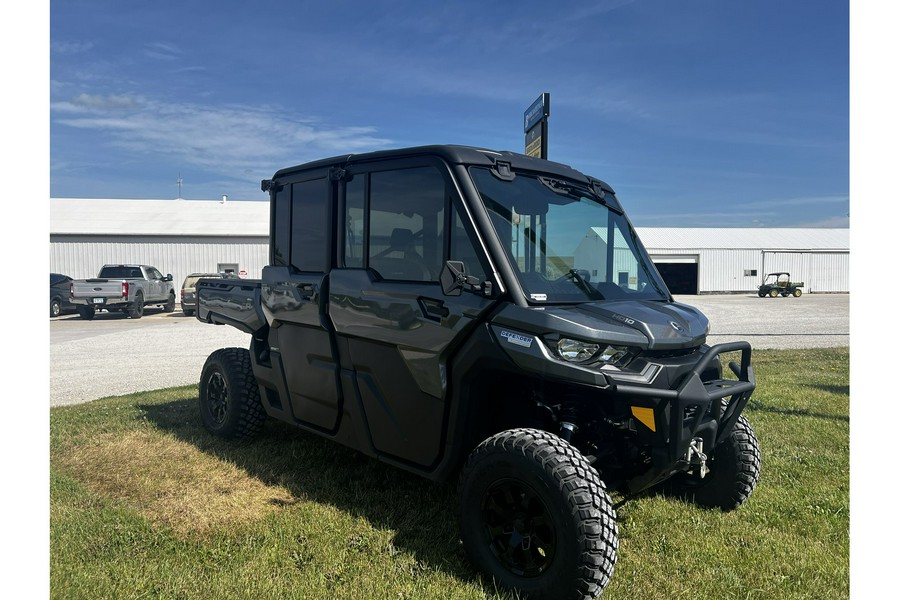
<point x="145" y="504"/>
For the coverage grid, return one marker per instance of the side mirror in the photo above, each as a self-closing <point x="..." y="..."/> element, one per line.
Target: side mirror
<point x="454" y="280"/>
<point x="168" y="277"/>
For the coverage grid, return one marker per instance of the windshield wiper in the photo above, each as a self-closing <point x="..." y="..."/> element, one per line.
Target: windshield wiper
<point x="573" y="190"/>
<point x="564" y="187"/>
<point x="586" y="287"/>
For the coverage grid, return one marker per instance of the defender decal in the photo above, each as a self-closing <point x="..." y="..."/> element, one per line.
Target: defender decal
<point x="516" y="338"/>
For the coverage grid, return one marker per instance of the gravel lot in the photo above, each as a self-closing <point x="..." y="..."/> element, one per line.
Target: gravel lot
<point x="110" y="356"/>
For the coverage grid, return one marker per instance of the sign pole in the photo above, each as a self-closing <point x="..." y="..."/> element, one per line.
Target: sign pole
<point x="536" y="129"/>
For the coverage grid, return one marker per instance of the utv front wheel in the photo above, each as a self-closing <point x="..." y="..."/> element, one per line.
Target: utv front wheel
<point x="535" y="515"/>
<point x="773" y="293"/>
<point x="733" y="472"/>
<point x="798" y="292"/>
<point x="229" y="396"/>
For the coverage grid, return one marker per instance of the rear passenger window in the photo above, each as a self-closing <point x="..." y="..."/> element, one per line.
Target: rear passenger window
<point x="310" y="205"/>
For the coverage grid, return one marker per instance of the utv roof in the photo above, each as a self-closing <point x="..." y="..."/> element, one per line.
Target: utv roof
<point x="459" y="155"/>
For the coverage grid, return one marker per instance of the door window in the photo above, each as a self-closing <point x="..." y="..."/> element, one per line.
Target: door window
<point x="395" y="223"/>
<point x="309" y="225"/>
<point x="406" y="223"/>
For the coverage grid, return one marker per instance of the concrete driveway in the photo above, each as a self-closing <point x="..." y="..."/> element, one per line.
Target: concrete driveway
<point x="112" y="355"/>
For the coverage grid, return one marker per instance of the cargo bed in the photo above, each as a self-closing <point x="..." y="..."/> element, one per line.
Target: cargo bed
<point x="234" y="302"/>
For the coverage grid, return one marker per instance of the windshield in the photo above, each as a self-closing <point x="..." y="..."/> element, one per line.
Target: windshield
<point x="567" y="244"/>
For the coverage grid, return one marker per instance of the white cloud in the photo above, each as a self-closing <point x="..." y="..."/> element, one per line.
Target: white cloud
<point x="237" y="142"/>
<point x="162" y="51"/>
<point x="800" y="201"/>
<point x="75" y="47"/>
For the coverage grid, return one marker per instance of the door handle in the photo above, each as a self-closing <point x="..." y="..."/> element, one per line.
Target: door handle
<point x="433" y="309"/>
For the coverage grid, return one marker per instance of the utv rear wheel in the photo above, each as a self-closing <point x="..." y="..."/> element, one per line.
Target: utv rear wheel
<point x="535" y="515"/>
<point x="733" y="472"/>
<point x="230" y="406"/>
<point x="86" y="312"/>
<point x="136" y="310"/>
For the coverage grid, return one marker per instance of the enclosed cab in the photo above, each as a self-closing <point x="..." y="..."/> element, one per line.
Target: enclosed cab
<point x="461" y="312"/>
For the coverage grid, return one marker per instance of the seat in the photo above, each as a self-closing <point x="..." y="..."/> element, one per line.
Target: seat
<point x="409" y="265"/>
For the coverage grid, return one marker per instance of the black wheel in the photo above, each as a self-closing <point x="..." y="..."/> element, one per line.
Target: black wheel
<point x="761" y="294"/>
<point x="229" y="396"/>
<point x="773" y="293"/>
<point x="55" y="307"/>
<point x="86" y="312"/>
<point x="784" y="294"/>
<point x="188" y="312"/>
<point x="170" y="304"/>
<point x="535" y="515"/>
<point x="136" y="310"/>
<point x="798" y="292"/>
<point x="733" y="472"/>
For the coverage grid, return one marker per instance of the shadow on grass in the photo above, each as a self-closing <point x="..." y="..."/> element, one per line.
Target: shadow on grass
<point x="840" y="390"/>
<point x="796" y="412"/>
<point x="420" y="512"/>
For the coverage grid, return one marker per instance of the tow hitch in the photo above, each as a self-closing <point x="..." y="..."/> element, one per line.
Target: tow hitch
<point x="696" y="458"/>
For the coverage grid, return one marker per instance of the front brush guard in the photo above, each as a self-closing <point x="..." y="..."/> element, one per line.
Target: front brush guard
<point x="695" y="405"/>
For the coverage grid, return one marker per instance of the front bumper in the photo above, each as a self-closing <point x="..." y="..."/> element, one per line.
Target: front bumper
<point x="669" y="420"/>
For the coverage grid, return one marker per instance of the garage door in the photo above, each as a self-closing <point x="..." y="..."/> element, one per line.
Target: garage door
<point x="680" y="272"/>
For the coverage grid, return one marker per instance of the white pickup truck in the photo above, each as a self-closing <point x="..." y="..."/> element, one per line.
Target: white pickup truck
<point x="123" y="288"/>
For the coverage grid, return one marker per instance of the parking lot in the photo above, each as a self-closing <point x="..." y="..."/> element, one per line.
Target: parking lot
<point x="112" y="355"/>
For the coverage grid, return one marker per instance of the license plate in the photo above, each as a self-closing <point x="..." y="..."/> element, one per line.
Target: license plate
<point x="99" y="300"/>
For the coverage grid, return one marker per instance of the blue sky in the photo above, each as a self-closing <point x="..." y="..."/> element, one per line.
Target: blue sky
<point x="698" y="113"/>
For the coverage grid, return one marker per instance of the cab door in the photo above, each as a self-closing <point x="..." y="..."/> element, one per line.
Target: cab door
<point x="401" y="222"/>
<point x="294" y="296"/>
<point x="155" y="284"/>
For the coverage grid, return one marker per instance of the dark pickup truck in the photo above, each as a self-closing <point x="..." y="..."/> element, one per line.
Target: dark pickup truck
<point x="489" y="317"/>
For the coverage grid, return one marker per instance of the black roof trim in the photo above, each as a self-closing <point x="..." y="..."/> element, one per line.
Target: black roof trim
<point x="453" y="154"/>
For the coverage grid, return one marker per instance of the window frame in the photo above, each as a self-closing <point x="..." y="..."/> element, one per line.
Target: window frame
<point x="452" y="205"/>
<point x="282" y="211"/>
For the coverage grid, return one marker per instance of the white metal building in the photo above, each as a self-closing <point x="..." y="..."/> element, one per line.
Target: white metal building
<point x="178" y="237"/>
<point x="187" y="236"/>
<point x="709" y="260"/>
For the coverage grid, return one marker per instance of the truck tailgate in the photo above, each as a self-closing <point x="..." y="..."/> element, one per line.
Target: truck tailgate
<point x="234" y="302"/>
<point x="97" y="288"/>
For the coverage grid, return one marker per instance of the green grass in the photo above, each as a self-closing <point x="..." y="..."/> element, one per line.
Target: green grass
<point x="145" y="504"/>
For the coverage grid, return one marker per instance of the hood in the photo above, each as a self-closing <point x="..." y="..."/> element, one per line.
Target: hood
<point x="647" y="324"/>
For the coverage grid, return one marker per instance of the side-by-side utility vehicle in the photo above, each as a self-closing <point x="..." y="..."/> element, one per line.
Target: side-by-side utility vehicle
<point x="780" y="283"/>
<point x="492" y="317"/>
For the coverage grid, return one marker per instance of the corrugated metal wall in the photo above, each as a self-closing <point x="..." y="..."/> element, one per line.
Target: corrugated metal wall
<point x="719" y="270"/>
<point x="82" y="256"/>
<point x="722" y="270"/>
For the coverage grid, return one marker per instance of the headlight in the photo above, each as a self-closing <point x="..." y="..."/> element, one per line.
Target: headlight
<point x="613" y="354"/>
<point x="575" y="350"/>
